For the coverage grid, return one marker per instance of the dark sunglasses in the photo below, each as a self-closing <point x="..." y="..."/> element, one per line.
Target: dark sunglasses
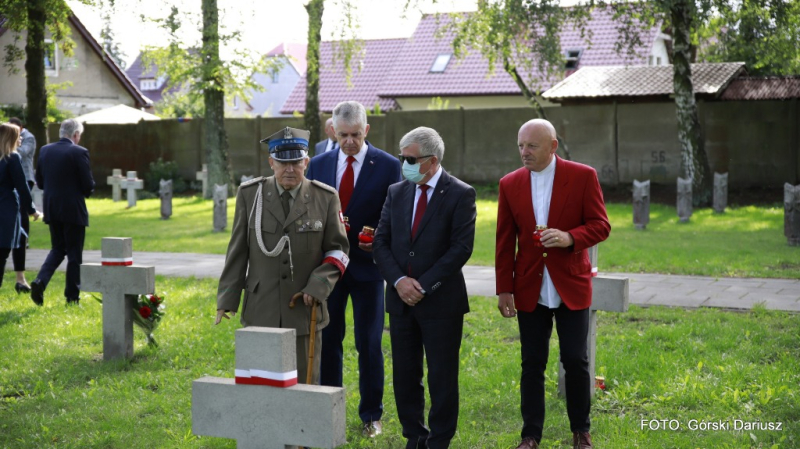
<point x="411" y="159"/>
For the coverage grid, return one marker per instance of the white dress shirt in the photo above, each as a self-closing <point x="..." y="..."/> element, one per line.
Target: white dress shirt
<point x="431" y="187"/>
<point x="418" y="193"/>
<point x="541" y="192"/>
<point x="332" y="145"/>
<point x="341" y="165"/>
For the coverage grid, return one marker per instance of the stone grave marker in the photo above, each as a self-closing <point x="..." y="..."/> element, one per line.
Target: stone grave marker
<point x="609" y="293"/>
<point x="220" y="207"/>
<point x="641" y="204"/>
<point x="264" y="407"/>
<point x="245" y="178"/>
<point x="791" y="214"/>
<point x="720" y="192"/>
<point x="202" y="176"/>
<point x="38" y="198"/>
<point x="121" y="283"/>
<point x="165" y="193"/>
<point x="131" y="183"/>
<point x="684" y="199"/>
<point x="114" y="181"/>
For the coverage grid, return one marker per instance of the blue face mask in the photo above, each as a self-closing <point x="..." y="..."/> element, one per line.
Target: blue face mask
<point x="411" y="172"/>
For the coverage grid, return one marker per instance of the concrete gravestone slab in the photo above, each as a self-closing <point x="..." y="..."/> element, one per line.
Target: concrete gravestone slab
<point x="791" y="214"/>
<point x="131" y="183"/>
<point x="202" y="176"/>
<point x="641" y="204"/>
<point x="684" y="199"/>
<point x="609" y="293"/>
<point x="114" y="181"/>
<point x="264" y="407"/>
<point x="220" y="207"/>
<point x="720" y="192"/>
<point x="165" y="193"/>
<point x="121" y="283"/>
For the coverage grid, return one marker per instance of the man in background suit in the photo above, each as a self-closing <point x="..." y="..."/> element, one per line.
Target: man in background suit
<point x="553" y="279"/>
<point x="424" y="238"/>
<point x="362" y="175"/>
<point x="64" y="173"/>
<point x="329" y="144"/>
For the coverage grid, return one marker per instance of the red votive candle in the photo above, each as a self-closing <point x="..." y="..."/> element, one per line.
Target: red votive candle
<point x="537" y="236"/>
<point x="367" y="235"/>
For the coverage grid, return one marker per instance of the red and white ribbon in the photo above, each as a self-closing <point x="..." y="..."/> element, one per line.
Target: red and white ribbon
<point x="338" y="259"/>
<point x="116" y="262"/>
<point x="594" y="271"/>
<point x="270" y="378"/>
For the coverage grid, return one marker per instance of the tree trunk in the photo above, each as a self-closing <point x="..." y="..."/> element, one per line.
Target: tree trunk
<point x="694" y="160"/>
<point x="36" y="92"/>
<point x="219" y="169"/>
<point x="311" y="116"/>
<point x="531" y="97"/>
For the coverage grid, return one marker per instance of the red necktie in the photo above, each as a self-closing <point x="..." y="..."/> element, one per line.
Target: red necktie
<point x="422" y="204"/>
<point x="346" y="185"/>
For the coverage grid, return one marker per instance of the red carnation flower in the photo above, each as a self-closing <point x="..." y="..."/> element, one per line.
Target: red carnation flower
<point x="145" y="312"/>
<point x="155" y="299"/>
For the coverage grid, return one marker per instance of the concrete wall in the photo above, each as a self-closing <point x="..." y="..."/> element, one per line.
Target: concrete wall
<point x="756" y="142"/>
<point x="93" y="87"/>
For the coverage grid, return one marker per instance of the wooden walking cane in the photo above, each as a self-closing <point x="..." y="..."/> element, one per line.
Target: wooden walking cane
<point x="312" y="335"/>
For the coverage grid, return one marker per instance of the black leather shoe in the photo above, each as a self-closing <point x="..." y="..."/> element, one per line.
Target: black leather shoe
<point x="37" y="292"/>
<point x="73" y="301"/>
<point x="22" y="288"/>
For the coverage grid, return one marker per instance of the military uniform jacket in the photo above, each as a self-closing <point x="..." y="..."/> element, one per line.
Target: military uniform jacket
<point x="314" y="227"/>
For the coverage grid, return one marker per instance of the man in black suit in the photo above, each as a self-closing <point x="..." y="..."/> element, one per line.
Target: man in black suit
<point x="420" y="255"/>
<point x="63" y="172"/>
<point x="329" y="144"/>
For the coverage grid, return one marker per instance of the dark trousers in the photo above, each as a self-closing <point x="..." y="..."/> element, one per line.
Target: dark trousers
<point x="4" y="252"/>
<point x="18" y="254"/>
<point x="534" y="332"/>
<point x="66" y="239"/>
<point x="439" y="341"/>
<point x="368" y="318"/>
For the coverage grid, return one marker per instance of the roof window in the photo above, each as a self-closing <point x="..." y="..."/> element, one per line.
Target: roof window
<point x="573" y="57"/>
<point x="440" y="63"/>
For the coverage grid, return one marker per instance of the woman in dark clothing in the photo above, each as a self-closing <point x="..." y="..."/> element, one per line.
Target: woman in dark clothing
<point x="15" y="196"/>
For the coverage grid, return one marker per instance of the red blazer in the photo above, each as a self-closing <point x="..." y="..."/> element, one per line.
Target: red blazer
<point x="577" y="207"/>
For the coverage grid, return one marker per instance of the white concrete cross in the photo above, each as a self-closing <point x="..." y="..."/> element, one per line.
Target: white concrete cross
<point x="609" y="293"/>
<point x="120" y="282"/>
<point x="114" y="181"/>
<point x="203" y="177"/>
<point x="264" y="407"/>
<point x="131" y="184"/>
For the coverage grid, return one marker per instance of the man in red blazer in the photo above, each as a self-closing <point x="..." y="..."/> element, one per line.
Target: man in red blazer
<point x="547" y="276"/>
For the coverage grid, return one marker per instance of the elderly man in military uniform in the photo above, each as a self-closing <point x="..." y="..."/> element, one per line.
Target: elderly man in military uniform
<point x="288" y="237"/>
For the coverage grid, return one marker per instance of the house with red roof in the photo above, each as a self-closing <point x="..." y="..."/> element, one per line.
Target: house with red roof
<point x="289" y="68"/>
<point x="370" y="67"/>
<point x="95" y="80"/>
<point x="422" y="72"/>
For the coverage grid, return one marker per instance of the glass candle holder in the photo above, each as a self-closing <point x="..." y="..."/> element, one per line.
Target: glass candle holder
<point x="367" y="235"/>
<point x="537" y="236"/>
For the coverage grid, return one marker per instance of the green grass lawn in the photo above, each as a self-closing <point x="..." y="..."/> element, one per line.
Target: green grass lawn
<point x="670" y="364"/>
<point x="743" y="242"/>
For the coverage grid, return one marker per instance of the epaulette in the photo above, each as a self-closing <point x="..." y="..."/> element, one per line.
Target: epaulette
<point x="250" y="182"/>
<point x="324" y="186"/>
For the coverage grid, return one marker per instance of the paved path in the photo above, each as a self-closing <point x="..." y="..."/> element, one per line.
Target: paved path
<point x="645" y="289"/>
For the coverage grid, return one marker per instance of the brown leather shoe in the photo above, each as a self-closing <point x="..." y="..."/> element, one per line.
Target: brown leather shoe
<point x="581" y="440"/>
<point x="528" y="443"/>
<point x="372" y="429"/>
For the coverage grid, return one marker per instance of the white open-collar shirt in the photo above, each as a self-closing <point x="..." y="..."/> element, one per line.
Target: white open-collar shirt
<point x="541" y="192"/>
